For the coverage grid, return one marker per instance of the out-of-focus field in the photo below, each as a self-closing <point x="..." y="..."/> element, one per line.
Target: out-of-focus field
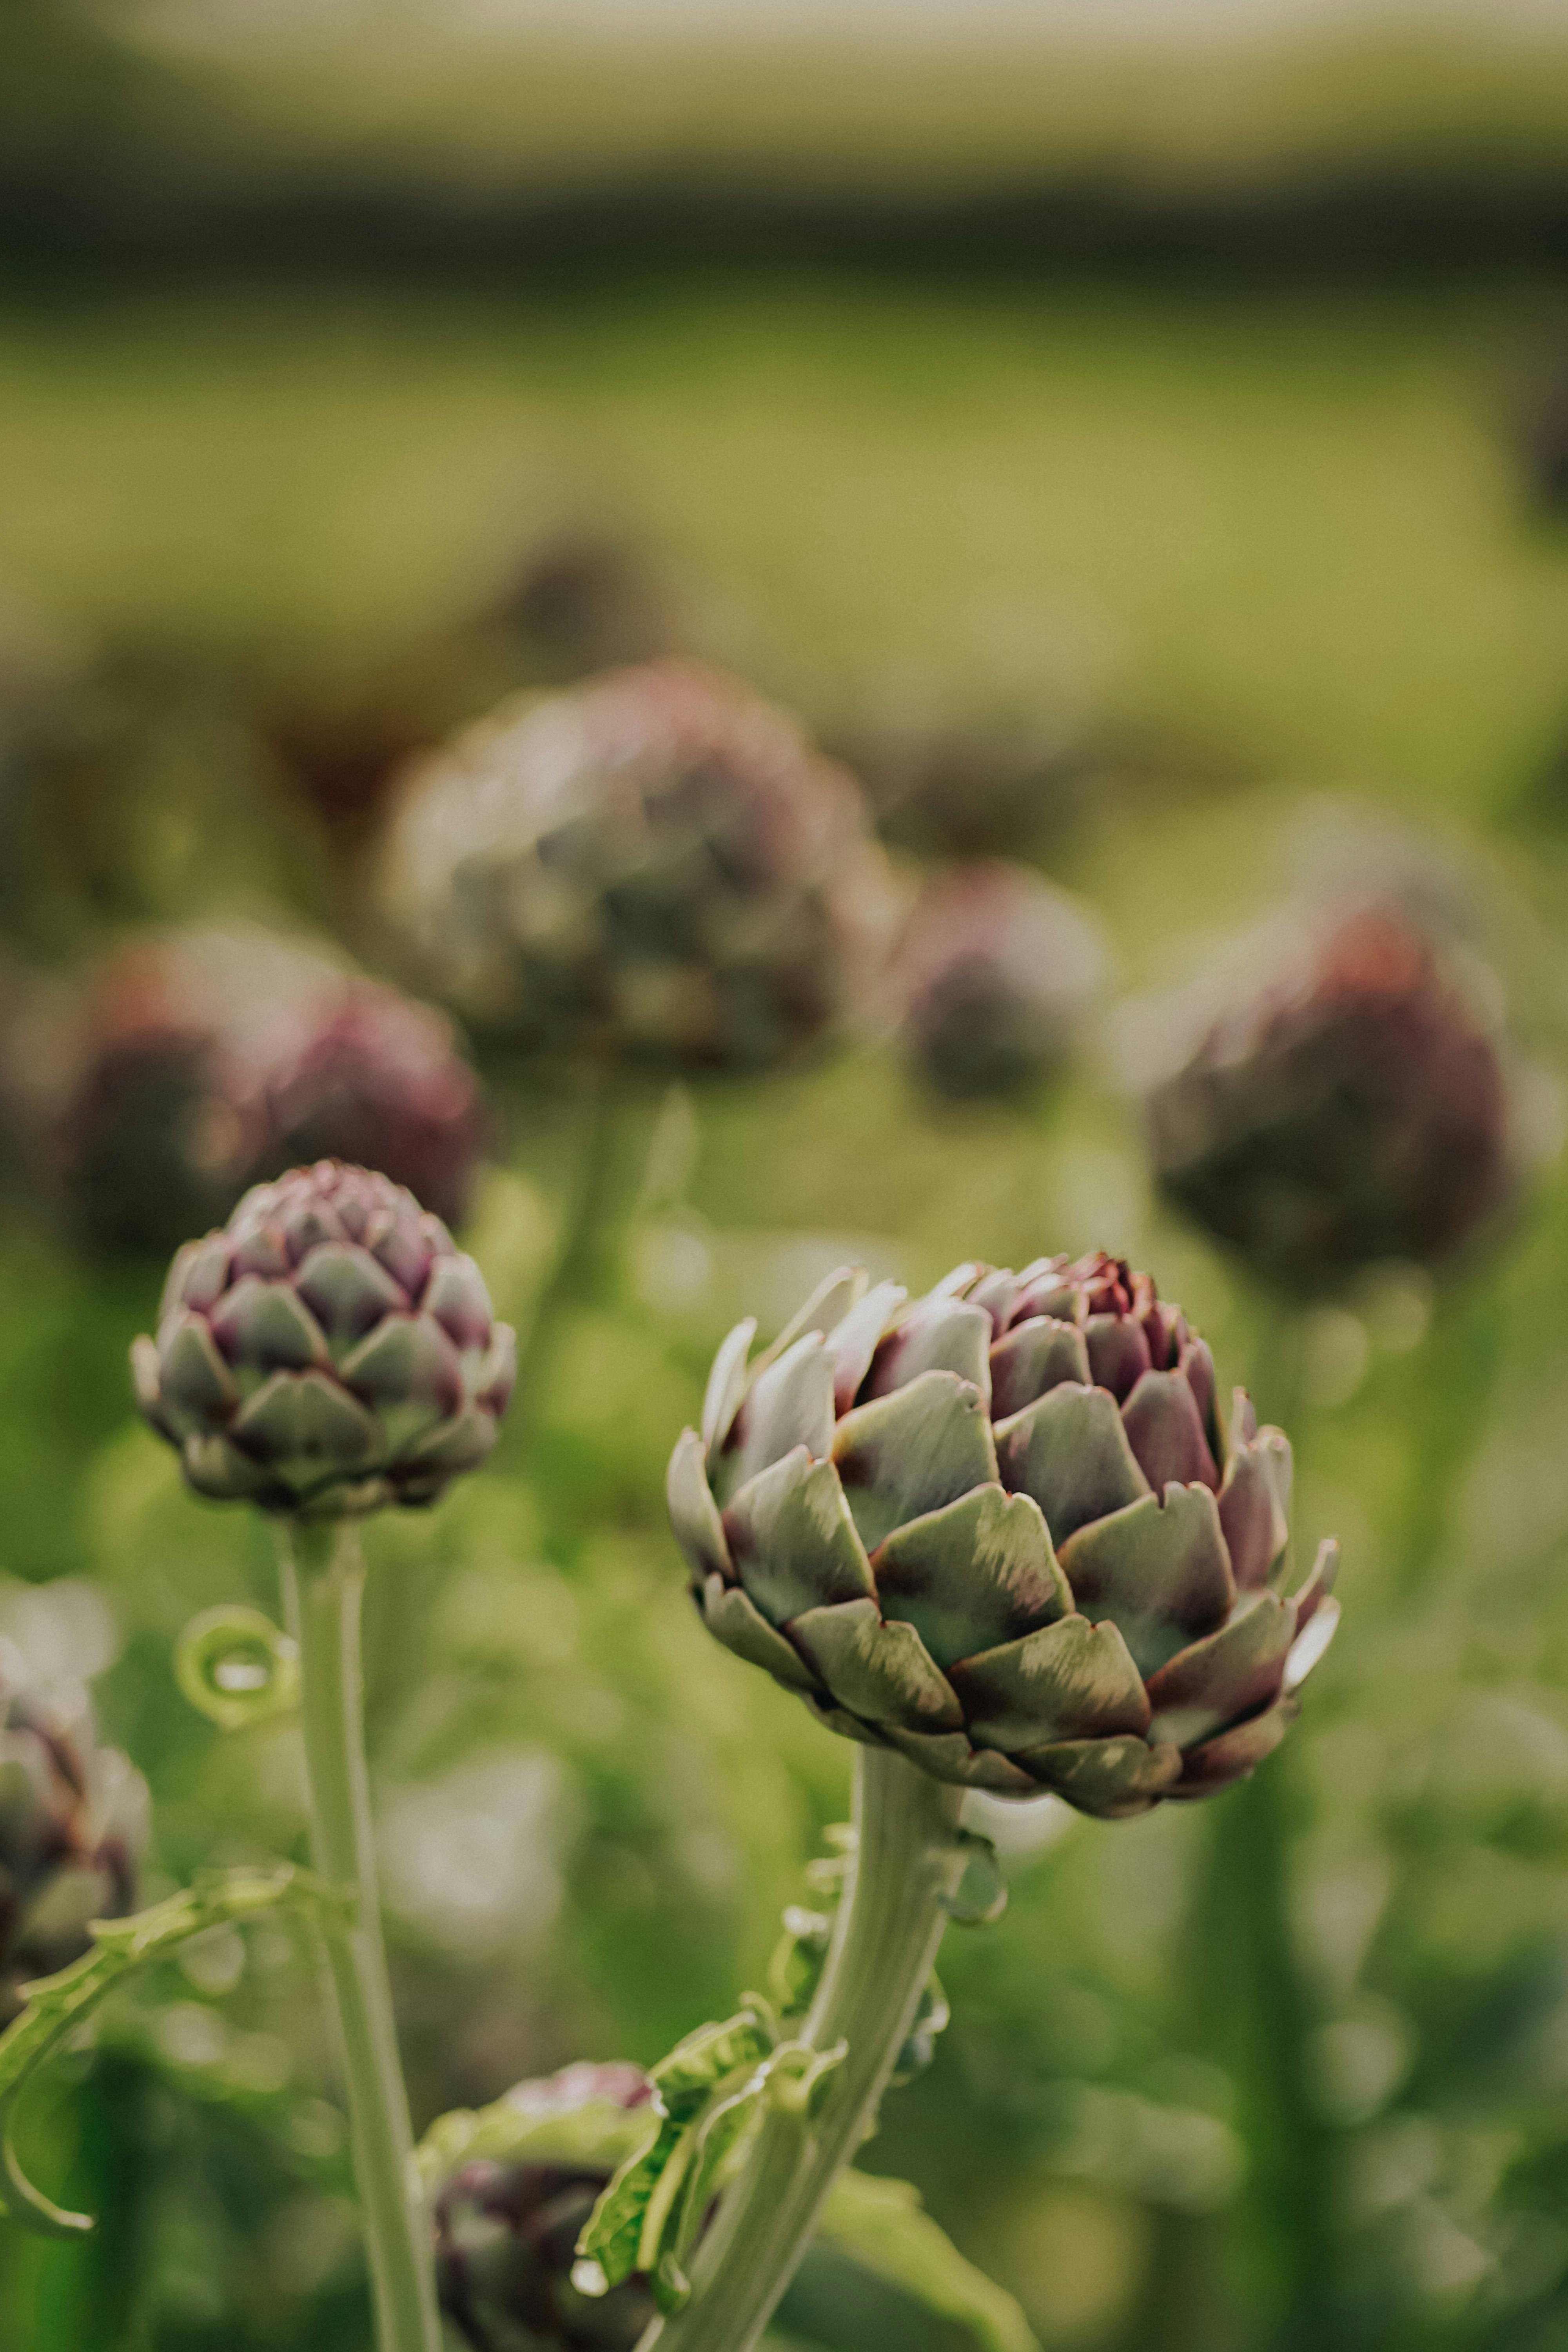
<point x="1278" y="541"/>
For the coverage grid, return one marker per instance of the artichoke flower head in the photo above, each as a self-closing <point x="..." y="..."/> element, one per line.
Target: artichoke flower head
<point x="1006" y="1532"/>
<point x="655" y="866"/>
<point x="328" y="1351"/>
<point x="73" y="1822"/>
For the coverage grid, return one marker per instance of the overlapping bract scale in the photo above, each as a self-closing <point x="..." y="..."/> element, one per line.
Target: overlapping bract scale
<point x="328" y="1351"/>
<point x="1004" y="1531"/>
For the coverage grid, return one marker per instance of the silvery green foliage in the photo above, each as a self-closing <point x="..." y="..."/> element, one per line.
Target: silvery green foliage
<point x="656" y="866"/>
<point x="1006" y="1532"/>
<point x="329" y="1351"/>
<point x="73" y="1822"/>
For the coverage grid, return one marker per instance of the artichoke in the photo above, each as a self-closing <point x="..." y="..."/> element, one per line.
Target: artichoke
<point x="1349" y="1103"/>
<point x="1005" y="1533"/>
<point x="506" y="2234"/>
<point x="210" y="1059"/>
<point x="73" y="1820"/>
<point x="654" y="865"/>
<point x="328" y="1351"/>
<point x="994" y="974"/>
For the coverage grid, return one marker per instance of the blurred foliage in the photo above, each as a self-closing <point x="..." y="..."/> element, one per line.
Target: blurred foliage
<point x="1254" y="538"/>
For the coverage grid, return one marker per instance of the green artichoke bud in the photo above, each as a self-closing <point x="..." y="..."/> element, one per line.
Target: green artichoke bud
<point x="73" y="1820"/>
<point x="1006" y="1533"/>
<point x="506" y="2234"/>
<point x="655" y="865"/>
<point x="326" y="1352"/>
<point x="1353" y="1102"/>
<point x="993" y="977"/>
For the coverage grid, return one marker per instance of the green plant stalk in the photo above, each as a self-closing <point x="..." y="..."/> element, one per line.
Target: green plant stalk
<point x="906" y="1863"/>
<point x="324" y="1575"/>
<point x="605" y="1177"/>
<point x="1289" y="2194"/>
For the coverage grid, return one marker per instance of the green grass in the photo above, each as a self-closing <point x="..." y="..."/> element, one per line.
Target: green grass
<point x="1287" y="524"/>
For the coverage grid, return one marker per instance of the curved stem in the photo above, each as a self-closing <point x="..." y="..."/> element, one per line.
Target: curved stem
<point x="323" y="1576"/>
<point x="890" y="1922"/>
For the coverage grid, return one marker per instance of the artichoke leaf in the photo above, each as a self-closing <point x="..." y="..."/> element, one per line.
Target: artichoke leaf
<point x="1231" y="1673"/>
<point x="1073" y="1680"/>
<point x="1158" y="1568"/>
<point x="1069" y="1451"/>
<point x="904" y="1455"/>
<point x="973" y="1575"/>
<point x="881" y="1671"/>
<point x="793" y="1542"/>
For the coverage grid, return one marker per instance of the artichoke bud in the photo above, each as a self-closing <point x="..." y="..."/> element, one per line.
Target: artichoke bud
<point x="992" y="980"/>
<point x="506" y="2233"/>
<point x="208" y="1059"/>
<point x="1006" y="1532"/>
<point x="326" y="1352"/>
<point x="1349" y="1098"/>
<point x="73" y="1822"/>
<point x="656" y="866"/>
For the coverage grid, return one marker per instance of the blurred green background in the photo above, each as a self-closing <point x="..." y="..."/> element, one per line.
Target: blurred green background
<point x="1174" y="394"/>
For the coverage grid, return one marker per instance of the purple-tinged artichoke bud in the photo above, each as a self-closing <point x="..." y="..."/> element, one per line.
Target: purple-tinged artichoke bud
<point x="506" y="2234"/>
<point x="210" y="1059"/>
<point x="73" y="1822"/>
<point x="1006" y="1532"/>
<point x="328" y="1351"/>
<point x="655" y="865"/>
<point x="992" y="980"/>
<point x="1351" y="1102"/>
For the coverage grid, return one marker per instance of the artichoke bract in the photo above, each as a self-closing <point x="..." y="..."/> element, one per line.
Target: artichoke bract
<point x="1348" y="1098"/>
<point x="326" y="1352"/>
<point x="73" y="1820"/>
<point x="507" y="2232"/>
<point x="214" y="1057"/>
<point x="993" y="978"/>
<point x="655" y="865"/>
<point x="1006" y="1532"/>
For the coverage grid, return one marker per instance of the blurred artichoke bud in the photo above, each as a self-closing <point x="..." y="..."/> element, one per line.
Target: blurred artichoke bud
<point x="73" y="1822"/>
<point x="994" y="975"/>
<point x="211" y="1059"/>
<point x="655" y="865"/>
<point x="1006" y="1533"/>
<point x="327" y="1352"/>
<point x="1349" y="1102"/>
<point x="506" y="2233"/>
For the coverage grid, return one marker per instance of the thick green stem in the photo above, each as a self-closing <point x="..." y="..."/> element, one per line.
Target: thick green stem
<point x="592" y="1217"/>
<point x="907" y="1862"/>
<point x="324" y="1575"/>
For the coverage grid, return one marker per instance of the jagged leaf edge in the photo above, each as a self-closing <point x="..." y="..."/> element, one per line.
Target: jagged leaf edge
<point x="640" y="2204"/>
<point x="56" y="2005"/>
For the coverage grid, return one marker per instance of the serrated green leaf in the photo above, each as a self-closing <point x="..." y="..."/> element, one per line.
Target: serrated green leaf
<point x="882" y="2225"/>
<point x="683" y="2080"/>
<point x="613" y="2237"/>
<point x="55" y="2005"/>
<point x="718" y="2139"/>
<point x="639" y="2218"/>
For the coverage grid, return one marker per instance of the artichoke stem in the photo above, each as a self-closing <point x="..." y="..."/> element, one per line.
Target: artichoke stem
<point x="607" y="1168"/>
<point x="323" y="1577"/>
<point x="890" y="1922"/>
